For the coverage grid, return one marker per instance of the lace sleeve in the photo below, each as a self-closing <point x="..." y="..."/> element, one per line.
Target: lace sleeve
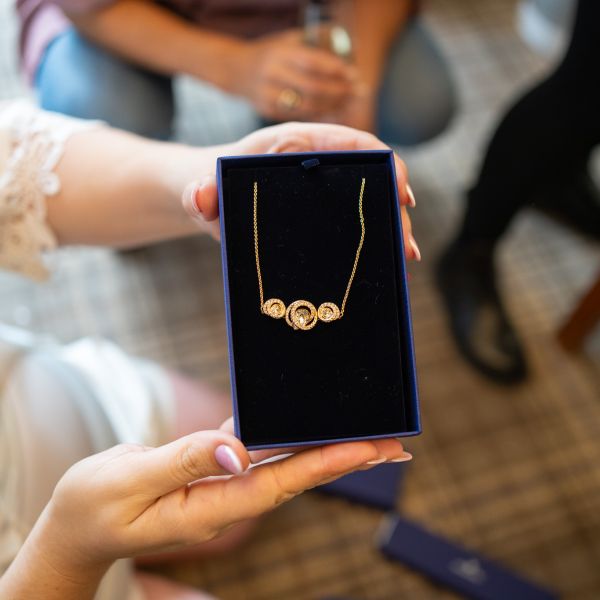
<point x="31" y="144"/>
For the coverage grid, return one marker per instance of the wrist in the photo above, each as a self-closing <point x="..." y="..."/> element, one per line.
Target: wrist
<point x="50" y="565"/>
<point x="227" y="73"/>
<point x="187" y="165"/>
<point x="59" y="547"/>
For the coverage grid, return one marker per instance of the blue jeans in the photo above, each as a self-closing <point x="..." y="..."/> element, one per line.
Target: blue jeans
<point x="78" y="78"/>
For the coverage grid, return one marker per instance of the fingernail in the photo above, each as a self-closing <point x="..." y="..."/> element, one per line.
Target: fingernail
<point x="415" y="248"/>
<point x="377" y="461"/>
<point x="189" y="199"/>
<point x="228" y="459"/>
<point x="404" y="457"/>
<point x="411" y="197"/>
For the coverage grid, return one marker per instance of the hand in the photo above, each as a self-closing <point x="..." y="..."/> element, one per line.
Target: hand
<point x="200" y="198"/>
<point x="285" y="79"/>
<point x="132" y="500"/>
<point x="358" y="112"/>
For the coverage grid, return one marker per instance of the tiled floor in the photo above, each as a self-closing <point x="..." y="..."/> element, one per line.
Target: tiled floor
<point x="511" y="472"/>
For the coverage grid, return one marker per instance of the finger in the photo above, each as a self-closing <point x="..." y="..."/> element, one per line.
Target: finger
<point x="329" y="138"/>
<point x="203" y="454"/>
<point x="321" y="94"/>
<point x="307" y="109"/>
<point x="405" y="192"/>
<point x="321" y="63"/>
<point x="411" y="248"/>
<point x="200" y="200"/>
<point x="257" y="456"/>
<point x="268" y="485"/>
<point x="388" y="449"/>
<point x="207" y="198"/>
<point x="290" y="144"/>
<point x="228" y="425"/>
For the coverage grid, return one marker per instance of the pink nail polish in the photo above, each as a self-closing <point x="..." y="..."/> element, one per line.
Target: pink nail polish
<point x="404" y="457"/>
<point x="411" y="197"/>
<point x="228" y="459"/>
<point x="415" y="248"/>
<point x="377" y="461"/>
<point x="190" y="201"/>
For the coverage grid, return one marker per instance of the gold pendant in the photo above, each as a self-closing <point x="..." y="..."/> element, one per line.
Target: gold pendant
<point x="301" y="314"/>
<point x="274" y="307"/>
<point x="328" y="311"/>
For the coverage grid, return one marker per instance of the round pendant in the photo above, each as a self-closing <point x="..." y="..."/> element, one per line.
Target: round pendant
<point x="274" y="307"/>
<point x="301" y="314"/>
<point x="328" y="311"/>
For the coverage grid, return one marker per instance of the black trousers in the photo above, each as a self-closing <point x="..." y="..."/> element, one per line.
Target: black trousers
<point x="545" y="139"/>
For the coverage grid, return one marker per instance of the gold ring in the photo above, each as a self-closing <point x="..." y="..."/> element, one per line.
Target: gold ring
<point x="289" y="99"/>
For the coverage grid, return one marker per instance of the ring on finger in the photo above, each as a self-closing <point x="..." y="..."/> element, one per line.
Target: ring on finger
<point x="289" y="99"/>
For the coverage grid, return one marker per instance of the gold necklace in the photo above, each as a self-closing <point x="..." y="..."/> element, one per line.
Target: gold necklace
<point x="302" y="314"/>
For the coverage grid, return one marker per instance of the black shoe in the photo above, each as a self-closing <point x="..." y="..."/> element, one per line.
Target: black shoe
<point x="466" y="280"/>
<point x="576" y="204"/>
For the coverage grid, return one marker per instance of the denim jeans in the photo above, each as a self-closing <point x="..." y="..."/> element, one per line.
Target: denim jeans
<point x="78" y="78"/>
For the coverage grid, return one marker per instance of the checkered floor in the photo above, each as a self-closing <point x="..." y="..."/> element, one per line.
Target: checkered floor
<point x="512" y="473"/>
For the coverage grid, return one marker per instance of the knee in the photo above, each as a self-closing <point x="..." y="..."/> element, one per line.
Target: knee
<point x="419" y="116"/>
<point x="418" y="96"/>
<point x="82" y="80"/>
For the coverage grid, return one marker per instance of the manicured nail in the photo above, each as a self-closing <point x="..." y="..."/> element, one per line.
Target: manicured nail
<point x="189" y="199"/>
<point x="415" y="248"/>
<point x="228" y="459"/>
<point x="411" y="197"/>
<point x="405" y="456"/>
<point x="377" y="461"/>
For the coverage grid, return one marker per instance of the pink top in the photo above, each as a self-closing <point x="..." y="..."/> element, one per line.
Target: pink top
<point x="43" y="20"/>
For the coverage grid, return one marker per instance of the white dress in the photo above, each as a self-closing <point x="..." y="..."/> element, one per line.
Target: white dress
<point x="58" y="404"/>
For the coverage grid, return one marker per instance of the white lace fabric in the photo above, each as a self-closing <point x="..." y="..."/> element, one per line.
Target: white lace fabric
<point x="31" y="144"/>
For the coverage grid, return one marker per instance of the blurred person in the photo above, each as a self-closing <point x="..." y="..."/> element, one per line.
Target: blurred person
<point x="64" y="181"/>
<point x="538" y="156"/>
<point x="115" y="60"/>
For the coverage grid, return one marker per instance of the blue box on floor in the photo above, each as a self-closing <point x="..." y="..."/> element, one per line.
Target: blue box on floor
<point x="378" y="487"/>
<point x="349" y="379"/>
<point x="453" y="565"/>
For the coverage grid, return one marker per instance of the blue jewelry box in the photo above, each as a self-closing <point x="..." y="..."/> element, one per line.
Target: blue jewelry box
<point x="454" y="566"/>
<point x="291" y="224"/>
<point x="378" y="487"/>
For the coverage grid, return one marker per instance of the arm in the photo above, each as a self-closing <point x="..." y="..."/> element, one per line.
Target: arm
<point x="156" y="38"/>
<point x="121" y="190"/>
<point x="40" y="570"/>
<point x="152" y="36"/>
<point x="374" y="27"/>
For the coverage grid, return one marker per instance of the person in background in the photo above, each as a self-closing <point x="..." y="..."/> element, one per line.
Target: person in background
<point x="115" y="61"/>
<point x="65" y="181"/>
<point x="539" y="156"/>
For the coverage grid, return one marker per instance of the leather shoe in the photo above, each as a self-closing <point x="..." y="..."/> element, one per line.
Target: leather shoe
<point x="465" y="277"/>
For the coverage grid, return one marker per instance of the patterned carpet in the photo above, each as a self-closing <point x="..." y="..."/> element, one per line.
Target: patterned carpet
<point x="510" y="472"/>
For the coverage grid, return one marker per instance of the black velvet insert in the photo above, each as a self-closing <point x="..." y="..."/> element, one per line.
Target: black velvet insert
<point x="342" y="379"/>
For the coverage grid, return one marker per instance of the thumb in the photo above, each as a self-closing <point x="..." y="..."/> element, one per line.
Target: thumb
<point x="203" y="454"/>
<point x="200" y="200"/>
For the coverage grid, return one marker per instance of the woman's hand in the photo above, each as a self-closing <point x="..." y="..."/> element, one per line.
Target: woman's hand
<point x="200" y="198"/>
<point x="132" y="500"/>
<point x="286" y="79"/>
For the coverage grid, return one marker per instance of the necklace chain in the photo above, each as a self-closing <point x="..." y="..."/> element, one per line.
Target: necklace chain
<point x="302" y="314"/>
